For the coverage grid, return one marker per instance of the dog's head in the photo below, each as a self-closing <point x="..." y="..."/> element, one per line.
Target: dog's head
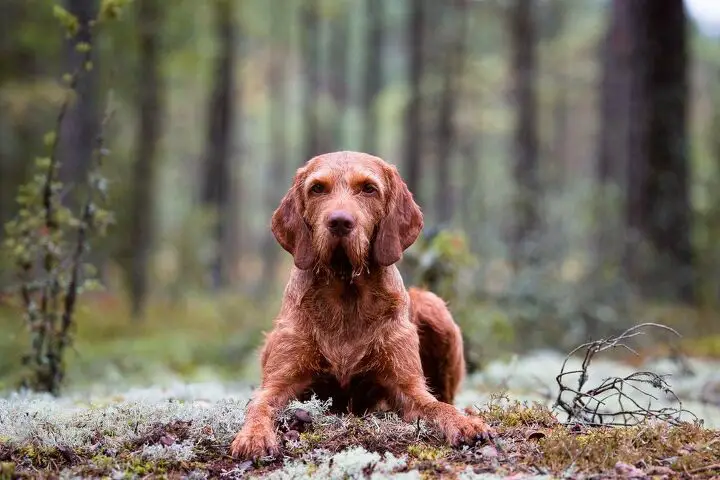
<point x="347" y="210"/>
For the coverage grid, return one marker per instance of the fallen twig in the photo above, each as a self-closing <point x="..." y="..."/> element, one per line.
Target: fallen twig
<point x="590" y="406"/>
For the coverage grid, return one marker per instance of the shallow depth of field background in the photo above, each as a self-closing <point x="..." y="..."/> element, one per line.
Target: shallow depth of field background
<point x="566" y="198"/>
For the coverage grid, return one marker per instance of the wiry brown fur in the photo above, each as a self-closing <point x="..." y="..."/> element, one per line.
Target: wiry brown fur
<point x="348" y="328"/>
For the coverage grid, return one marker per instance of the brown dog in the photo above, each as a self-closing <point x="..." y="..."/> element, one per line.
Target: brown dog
<point x="348" y="328"/>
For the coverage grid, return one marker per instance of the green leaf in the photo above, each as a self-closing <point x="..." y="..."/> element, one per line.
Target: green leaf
<point x="111" y="9"/>
<point x="67" y="20"/>
<point x="48" y="140"/>
<point x="92" y="285"/>
<point x="89" y="270"/>
<point x="83" y="47"/>
<point x="43" y="163"/>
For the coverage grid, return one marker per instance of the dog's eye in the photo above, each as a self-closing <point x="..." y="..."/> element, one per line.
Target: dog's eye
<point x="369" y="188"/>
<point x="317" y="188"/>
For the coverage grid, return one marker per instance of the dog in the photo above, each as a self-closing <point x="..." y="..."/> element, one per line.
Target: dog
<point x="348" y="328"/>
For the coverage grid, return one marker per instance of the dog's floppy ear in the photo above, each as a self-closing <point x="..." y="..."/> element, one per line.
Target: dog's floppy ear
<point x="291" y="231"/>
<point x="402" y="223"/>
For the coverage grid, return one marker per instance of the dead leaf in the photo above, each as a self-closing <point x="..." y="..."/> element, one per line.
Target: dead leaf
<point x="536" y="435"/>
<point x="167" y="440"/>
<point x="629" y="471"/>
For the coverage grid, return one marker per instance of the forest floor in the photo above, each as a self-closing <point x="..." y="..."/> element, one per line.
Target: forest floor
<point x="182" y="430"/>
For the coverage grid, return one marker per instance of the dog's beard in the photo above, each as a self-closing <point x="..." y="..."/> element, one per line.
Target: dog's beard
<point x="345" y="257"/>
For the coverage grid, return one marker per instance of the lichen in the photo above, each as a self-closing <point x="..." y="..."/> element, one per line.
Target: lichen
<point x="175" y="434"/>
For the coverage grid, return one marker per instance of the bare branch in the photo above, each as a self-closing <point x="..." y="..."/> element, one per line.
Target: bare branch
<point x="590" y="406"/>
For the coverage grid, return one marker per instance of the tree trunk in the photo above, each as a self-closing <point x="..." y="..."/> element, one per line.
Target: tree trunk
<point x="218" y="172"/>
<point x="556" y="164"/>
<point x="525" y="141"/>
<point x="278" y="146"/>
<point x="6" y="187"/>
<point x="310" y="47"/>
<point x="560" y="161"/>
<point x="413" y="113"/>
<point x="620" y="118"/>
<point x="619" y="54"/>
<point x="338" y="81"/>
<point x="452" y="69"/>
<point x="665" y="210"/>
<point x="644" y="142"/>
<point x="375" y="36"/>
<point x="80" y="126"/>
<point x="150" y="87"/>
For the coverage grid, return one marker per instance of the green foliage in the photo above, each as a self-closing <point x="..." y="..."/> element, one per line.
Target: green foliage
<point x="67" y="20"/>
<point x="435" y="261"/>
<point x="706" y="346"/>
<point x="47" y="241"/>
<point x="424" y="452"/>
<point x="201" y="335"/>
<point x="112" y="9"/>
<point x="442" y="262"/>
<point x="7" y="470"/>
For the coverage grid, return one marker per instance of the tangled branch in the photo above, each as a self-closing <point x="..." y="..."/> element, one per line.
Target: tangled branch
<point x="592" y="406"/>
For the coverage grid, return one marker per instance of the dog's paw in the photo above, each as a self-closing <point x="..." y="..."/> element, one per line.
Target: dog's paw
<point x="467" y="430"/>
<point x="255" y="443"/>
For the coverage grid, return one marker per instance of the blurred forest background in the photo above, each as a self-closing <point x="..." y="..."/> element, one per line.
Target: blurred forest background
<point x="565" y="153"/>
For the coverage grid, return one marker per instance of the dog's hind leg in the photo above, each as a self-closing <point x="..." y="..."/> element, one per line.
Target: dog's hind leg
<point x="441" y="345"/>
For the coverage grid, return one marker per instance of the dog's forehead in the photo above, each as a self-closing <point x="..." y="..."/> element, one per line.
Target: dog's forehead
<point x="346" y="165"/>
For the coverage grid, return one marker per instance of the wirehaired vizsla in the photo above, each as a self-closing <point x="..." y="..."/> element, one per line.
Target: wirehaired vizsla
<point x="348" y="328"/>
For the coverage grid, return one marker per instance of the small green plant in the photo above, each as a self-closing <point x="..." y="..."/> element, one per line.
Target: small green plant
<point x="436" y="260"/>
<point x="48" y="242"/>
<point x="424" y="452"/>
<point x="442" y="262"/>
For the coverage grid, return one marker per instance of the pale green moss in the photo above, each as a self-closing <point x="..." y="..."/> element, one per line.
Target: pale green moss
<point x="426" y="452"/>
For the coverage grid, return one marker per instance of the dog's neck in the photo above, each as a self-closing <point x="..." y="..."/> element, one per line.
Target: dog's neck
<point x="329" y="302"/>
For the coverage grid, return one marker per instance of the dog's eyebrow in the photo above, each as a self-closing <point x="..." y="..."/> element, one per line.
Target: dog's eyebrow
<point x="319" y="176"/>
<point x="366" y="176"/>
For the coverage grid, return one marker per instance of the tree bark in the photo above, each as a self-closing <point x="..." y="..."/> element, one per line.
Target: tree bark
<point x="452" y="70"/>
<point x="557" y="163"/>
<point x="218" y="173"/>
<point x="375" y="38"/>
<point x="620" y="124"/>
<point x="525" y="141"/>
<point x="619" y="54"/>
<point x="310" y="48"/>
<point x="150" y="109"/>
<point x="338" y="81"/>
<point x="278" y="145"/>
<point x="413" y="113"/>
<point x="644" y="142"/>
<point x="80" y="126"/>
<point x="6" y="187"/>
<point x="665" y="210"/>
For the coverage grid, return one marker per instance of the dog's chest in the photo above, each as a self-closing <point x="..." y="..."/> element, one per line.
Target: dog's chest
<point x="347" y="328"/>
<point x="346" y="354"/>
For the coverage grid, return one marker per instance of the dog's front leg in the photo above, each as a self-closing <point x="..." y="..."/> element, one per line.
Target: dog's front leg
<point x="416" y="402"/>
<point x="406" y="382"/>
<point x="283" y="378"/>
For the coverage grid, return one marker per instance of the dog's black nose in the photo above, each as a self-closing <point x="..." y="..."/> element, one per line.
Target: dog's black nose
<point x="340" y="223"/>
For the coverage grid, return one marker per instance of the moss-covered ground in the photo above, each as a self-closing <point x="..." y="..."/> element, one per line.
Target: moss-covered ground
<point x="136" y="438"/>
